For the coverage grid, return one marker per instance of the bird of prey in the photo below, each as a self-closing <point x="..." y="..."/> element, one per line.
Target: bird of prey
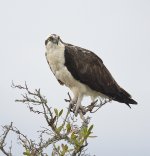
<point x="83" y="72"/>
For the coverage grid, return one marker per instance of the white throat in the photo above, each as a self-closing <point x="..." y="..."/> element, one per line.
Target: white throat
<point x="53" y="46"/>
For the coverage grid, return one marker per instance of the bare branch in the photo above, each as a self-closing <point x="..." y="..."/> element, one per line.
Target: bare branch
<point x="66" y="130"/>
<point x="3" y="137"/>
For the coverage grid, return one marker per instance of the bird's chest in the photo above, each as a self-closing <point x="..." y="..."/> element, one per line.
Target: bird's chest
<point x="55" y="59"/>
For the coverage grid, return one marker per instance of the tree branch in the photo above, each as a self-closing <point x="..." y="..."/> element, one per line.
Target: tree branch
<point x="3" y="137"/>
<point x="66" y="130"/>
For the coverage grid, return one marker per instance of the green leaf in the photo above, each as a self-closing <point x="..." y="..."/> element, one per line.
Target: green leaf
<point x="76" y="142"/>
<point x="63" y="151"/>
<point x="27" y="152"/>
<point x="91" y="136"/>
<point x="90" y="129"/>
<point x="60" y="113"/>
<point x="73" y="136"/>
<point x="68" y="126"/>
<point x="56" y="111"/>
<point x="84" y="130"/>
<point x="66" y="148"/>
<point x="88" y="133"/>
<point x="59" y="128"/>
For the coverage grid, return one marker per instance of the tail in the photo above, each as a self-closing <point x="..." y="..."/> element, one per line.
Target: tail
<point x="125" y="97"/>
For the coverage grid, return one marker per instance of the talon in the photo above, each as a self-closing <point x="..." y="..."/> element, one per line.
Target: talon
<point x="82" y="109"/>
<point x="94" y="102"/>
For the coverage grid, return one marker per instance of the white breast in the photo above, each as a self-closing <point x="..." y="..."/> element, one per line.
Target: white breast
<point x="55" y="58"/>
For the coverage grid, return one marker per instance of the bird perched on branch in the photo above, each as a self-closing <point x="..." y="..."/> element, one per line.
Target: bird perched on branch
<point x="83" y="72"/>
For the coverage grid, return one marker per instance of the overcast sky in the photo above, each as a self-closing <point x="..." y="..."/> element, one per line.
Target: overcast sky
<point x="118" y="31"/>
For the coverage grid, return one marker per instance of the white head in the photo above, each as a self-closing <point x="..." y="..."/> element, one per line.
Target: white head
<point x="53" y="41"/>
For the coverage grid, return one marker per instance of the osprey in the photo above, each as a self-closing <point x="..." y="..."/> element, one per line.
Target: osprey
<point x="83" y="72"/>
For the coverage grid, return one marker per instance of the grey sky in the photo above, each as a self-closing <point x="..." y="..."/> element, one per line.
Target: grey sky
<point x="118" y="31"/>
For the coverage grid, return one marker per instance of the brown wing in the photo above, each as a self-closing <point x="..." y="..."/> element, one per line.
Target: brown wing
<point x="88" y="68"/>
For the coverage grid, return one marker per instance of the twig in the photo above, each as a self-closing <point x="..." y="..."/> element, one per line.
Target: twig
<point x="3" y="139"/>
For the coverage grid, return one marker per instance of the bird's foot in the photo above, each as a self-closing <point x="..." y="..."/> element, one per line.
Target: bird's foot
<point x="72" y="105"/>
<point x="75" y="105"/>
<point x="79" y="110"/>
<point x="75" y="110"/>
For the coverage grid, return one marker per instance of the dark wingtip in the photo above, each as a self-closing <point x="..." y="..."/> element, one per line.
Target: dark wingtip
<point x="131" y="101"/>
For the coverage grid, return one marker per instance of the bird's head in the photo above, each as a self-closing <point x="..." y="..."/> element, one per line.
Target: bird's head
<point x="53" y="39"/>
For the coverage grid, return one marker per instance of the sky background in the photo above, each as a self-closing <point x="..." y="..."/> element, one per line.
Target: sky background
<point x="118" y="31"/>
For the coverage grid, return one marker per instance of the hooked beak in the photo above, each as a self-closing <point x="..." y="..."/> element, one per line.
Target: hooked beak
<point x="52" y="39"/>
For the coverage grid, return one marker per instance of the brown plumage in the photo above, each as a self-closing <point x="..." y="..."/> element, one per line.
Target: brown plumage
<point x="88" y="68"/>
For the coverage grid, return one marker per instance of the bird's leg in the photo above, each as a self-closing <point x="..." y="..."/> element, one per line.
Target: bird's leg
<point x="78" y="105"/>
<point x="73" y="101"/>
